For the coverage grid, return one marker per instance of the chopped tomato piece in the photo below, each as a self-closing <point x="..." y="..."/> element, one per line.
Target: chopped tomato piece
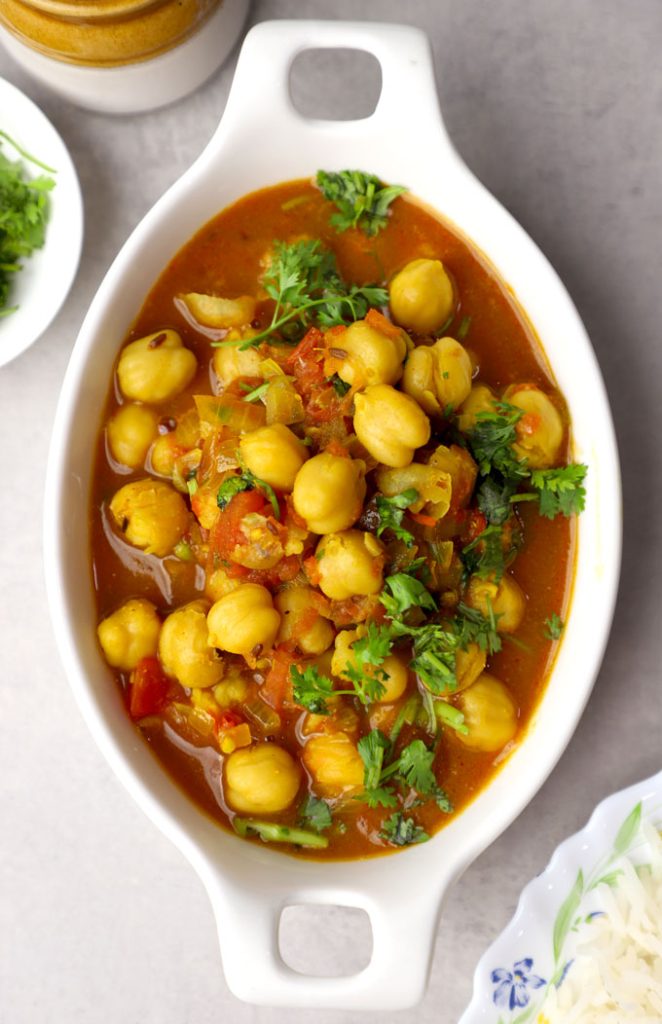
<point x="382" y="324"/>
<point x="226" y="533"/>
<point x="476" y="523"/>
<point x="312" y="570"/>
<point x="277" y="687"/>
<point x="305" y="361"/>
<point x="422" y="520"/>
<point x="228" y="720"/>
<point x="149" y="688"/>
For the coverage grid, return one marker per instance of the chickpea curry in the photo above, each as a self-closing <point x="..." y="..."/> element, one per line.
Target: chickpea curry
<point x="332" y="519"/>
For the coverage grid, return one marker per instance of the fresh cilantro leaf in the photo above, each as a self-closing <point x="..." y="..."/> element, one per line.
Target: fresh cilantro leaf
<point x="475" y="628"/>
<point x="231" y="485"/>
<point x="443" y="801"/>
<point x="311" y="689"/>
<point x="361" y="199"/>
<point x="491" y="441"/>
<point x="372" y="748"/>
<point x="381" y="796"/>
<point x="485" y="555"/>
<point x="405" y="592"/>
<point x="303" y="280"/>
<point x="416" y="767"/>
<point x="434" y="655"/>
<point x="401" y="831"/>
<point x="560" y="491"/>
<point x="554" y="627"/>
<point x="246" y="481"/>
<point x="315" y="813"/>
<point x="340" y="386"/>
<point x="391" y="510"/>
<point x="493" y="498"/>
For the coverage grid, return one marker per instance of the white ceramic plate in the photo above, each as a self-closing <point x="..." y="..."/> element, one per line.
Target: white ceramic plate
<point x="42" y="286"/>
<point x="535" y="950"/>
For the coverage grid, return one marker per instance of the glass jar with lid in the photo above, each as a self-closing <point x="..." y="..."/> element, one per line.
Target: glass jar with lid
<point x="121" y="56"/>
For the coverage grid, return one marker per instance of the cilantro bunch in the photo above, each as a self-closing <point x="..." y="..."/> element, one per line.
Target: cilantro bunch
<point x="305" y="284"/>
<point x="24" y="213"/>
<point x="360" y="199"/>
<point x="503" y="479"/>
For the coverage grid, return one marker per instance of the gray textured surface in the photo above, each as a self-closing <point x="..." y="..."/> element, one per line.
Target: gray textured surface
<point x="557" y="107"/>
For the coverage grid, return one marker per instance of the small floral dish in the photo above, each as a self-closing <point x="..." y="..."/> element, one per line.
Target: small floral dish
<point x="41" y="286"/>
<point x="535" y="955"/>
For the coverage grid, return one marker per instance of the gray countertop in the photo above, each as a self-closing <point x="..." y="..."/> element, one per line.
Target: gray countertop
<point x="557" y="107"/>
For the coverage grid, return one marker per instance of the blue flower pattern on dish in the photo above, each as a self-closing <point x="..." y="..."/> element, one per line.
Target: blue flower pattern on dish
<point x="512" y="987"/>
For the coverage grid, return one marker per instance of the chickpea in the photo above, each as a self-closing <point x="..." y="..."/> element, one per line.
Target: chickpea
<point x="155" y="368"/>
<point x="480" y="399"/>
<point x="422" y="296"/>
<point x="129" y="634"/>
<point x="461" y="468"/>
<point x="215" y="311"/>
<point x="230" y="362"/>
<point x="164" y="453"/>
<point x="469" y="664"/>
<point x="130" y="432"/>
<point x="438" y="376"/>
<point x="274" y="454"/>
<point x="262" y="779"/>
<point x="372" y="357"/>
<point x="218" y="584"/>
<point x="349" y="563"/>
<point x="392" y="673"/>
<point x="506" y="600"/>
<point x="244" y="621"/>
<point x="151" y="515"/>
<point x="301" y="623"/>
<point x="184" y="647"/>
<point x="329" y="491"/>
<point x="390" y="424"/>
<point x="432" y="484"/>
<point x="334" y="762"/>
<point x="490" y="714"/>
<point x="540" y="430"/>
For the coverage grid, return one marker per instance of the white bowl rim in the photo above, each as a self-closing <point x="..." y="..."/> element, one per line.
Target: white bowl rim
<point x="247" y="904"/>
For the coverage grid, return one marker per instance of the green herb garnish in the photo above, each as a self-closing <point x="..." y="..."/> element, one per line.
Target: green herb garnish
<point x="246" y="481"/>
<point x="558" y="491"/>
<point x="554" y="627"/>
<point x="304" y="282"/>
<point x="24" y="213"/>
<point x="272" y="832"/>
<point x="491" y="440"/>
<point x="391" y="510"/>
<point x="361" y="199"/>
<point x="405" y="592"/>
<point x="401" y="831"/>
<point x="315" y="813"/>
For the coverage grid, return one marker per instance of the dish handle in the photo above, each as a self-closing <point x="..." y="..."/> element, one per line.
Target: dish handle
<point x="407" y="110"/>
<point x="403" y="919"/>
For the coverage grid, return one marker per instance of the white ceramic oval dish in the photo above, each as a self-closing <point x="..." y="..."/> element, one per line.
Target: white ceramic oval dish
<point x="402" y="141"/>
<point x="536" y="949"/>
<point x="144" y="85"/>
<point x="40" y="288"/>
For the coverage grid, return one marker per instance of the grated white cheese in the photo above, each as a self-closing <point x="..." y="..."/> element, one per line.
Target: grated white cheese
<point x="616" y="975"/>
